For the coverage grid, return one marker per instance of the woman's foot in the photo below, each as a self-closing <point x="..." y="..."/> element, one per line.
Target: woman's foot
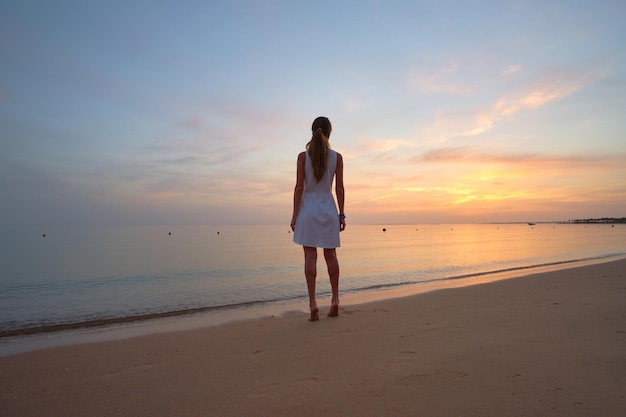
<point x="334" y="310"/>
<point x="314" y="314"/>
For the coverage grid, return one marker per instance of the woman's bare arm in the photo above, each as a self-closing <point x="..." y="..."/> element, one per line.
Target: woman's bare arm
<point x="339" y="190"/>
<point x="299" y="189"/>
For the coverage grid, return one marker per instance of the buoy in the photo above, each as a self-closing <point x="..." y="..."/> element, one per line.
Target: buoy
<point x="44" y="235"/>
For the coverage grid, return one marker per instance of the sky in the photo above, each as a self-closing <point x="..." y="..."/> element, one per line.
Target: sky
<point x="194" y="112"/>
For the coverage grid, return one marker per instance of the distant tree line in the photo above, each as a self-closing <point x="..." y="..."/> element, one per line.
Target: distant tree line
<point x="602" y="220"/>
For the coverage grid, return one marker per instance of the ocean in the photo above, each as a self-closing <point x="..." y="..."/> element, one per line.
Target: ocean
<point x="76" y="277"/>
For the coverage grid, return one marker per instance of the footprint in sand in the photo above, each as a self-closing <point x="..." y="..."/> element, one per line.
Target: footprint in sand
<point x="272" y="389"/>
<point x="416" y="379"/>
<point x="139" y="367"/>
<point x="401" y="359"/>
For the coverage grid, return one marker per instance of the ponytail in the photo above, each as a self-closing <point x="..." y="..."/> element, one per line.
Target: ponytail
<point x="318" y="148"/>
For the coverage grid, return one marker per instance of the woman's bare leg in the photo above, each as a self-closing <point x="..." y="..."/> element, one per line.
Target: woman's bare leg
<point x="310" y="273"/>
<point x="330" y="255"/>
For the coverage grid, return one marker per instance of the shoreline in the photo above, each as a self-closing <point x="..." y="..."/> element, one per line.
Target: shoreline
<point x="102" y="330"/>
<point x="86" y="296"/>
<point x="545" y="344"/>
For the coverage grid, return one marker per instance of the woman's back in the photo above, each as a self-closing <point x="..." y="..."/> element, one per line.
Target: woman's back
<point x="325" y="184"/>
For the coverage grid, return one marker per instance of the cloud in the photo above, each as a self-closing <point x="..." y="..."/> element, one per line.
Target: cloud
<point x="511" y="69"/>
<point x="380" y="150"/>
<point x="382" y="197"/>
<point x="193" y="122"/>
<point x="349" y="104"/>
<point x="539" y="96"/>
<point x="384" y="145"/>
<point x="452" y="189"/>
<point x="215" y="137"/>
<point x="467" y="155"/>
<point x="542" y="92"/>
<point x="438" y="81"/>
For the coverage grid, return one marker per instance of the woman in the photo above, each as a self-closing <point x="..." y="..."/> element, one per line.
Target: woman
<point x="315" y="219"/>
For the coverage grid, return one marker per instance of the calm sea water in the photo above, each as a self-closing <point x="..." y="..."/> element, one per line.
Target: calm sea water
<point x="91" y="275"/>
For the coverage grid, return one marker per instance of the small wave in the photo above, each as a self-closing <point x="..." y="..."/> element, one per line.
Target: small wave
<point x="388" y="286"/>
<point x="110" y="321"/>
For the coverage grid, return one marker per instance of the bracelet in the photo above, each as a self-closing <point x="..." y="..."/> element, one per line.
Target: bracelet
<point x="342" y="216"/>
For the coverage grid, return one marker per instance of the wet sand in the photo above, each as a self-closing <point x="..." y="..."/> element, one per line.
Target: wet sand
<point x="548" y="344"/>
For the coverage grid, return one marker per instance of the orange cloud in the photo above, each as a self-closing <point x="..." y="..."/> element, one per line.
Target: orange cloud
<point x="383" y="197"/>
<point x="463" y="180"/>
<point x="466" y="155"/>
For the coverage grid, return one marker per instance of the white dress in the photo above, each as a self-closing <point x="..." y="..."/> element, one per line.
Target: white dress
<point x="317" y="223"/>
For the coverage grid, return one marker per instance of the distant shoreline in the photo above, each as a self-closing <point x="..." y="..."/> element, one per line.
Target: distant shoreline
<point x="604" y="220"/>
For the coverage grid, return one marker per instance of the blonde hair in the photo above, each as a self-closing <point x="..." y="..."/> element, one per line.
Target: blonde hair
<point x="319" y="146"/>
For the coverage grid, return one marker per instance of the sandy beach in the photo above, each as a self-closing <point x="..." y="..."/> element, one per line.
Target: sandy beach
<point x="548" y="344"/>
